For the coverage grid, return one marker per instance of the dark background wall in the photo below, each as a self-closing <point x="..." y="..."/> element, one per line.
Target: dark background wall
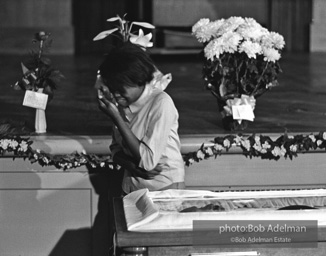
<point x="74" y="23"/>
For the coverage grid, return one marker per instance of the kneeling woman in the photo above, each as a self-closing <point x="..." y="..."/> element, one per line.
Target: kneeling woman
<point x="145" y="140"/>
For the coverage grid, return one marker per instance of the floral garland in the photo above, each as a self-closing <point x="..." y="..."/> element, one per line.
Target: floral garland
<point x="286" y="146"/>
<point x="22" y="147"/>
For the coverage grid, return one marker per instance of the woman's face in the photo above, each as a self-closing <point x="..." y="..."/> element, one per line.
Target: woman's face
<point x="128" y="95"/>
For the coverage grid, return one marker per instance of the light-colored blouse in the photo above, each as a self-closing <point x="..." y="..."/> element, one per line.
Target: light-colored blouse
<point x="153" y="118"/>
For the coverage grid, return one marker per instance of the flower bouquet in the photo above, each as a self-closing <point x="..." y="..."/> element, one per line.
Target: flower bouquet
<point x="240" y="64"/>
<point x="125" y="33"/>
<point x="39" y="79"/>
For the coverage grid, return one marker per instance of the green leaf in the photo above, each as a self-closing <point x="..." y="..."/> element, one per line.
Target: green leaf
<point x="114" y="19"/>
<point x="143" y="24"/>
<point x="104" y="34"/>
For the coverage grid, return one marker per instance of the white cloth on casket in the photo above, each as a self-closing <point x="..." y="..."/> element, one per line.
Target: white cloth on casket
<point x="144" y="216"/>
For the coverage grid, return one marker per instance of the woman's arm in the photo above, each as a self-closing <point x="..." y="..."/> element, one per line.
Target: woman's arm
<point x="131" y="140"/>
<point x="128" y="163"/>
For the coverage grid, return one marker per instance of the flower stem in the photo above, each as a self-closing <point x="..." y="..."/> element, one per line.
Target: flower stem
<point x="259" y="79"/>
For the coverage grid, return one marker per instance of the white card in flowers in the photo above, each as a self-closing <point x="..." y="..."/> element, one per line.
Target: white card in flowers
<point x="243" y="112"/>
<point x="35" y="99"/>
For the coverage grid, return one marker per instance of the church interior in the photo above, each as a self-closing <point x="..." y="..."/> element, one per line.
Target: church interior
<point x="54" y="210"/>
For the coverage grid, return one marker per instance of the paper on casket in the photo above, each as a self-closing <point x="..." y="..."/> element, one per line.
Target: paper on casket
<point x="139" y="209"/>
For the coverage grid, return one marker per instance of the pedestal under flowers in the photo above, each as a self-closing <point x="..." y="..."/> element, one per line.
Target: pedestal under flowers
<point x="240" y="63"/>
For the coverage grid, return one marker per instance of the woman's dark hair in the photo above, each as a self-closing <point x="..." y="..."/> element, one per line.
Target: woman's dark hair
<point x="127" y="65"/>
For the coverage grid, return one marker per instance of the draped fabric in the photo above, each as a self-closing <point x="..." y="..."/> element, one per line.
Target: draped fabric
<point x="166" y="210"/>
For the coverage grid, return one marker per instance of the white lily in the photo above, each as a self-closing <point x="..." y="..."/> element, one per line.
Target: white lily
<point x="141" y="39"/>
<point x="125" y="30"/>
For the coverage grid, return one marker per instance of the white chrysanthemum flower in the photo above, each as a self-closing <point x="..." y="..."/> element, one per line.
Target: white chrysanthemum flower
<point x="46" y="160"/>
<point x="263" y="151"/>
<point x="206" y="33"/>
<point x="273" y="40"/>
<point x="218" y="147"/>
<point x="209" y="151"/>
<point x="229" y="25"/>
<point x="213" y="49"/>
<point x="191" y="161"/>
<point x="226" y="143"/>
<point x="234" y="22"/>
<point x="293" y="148"/>
<point x="203" y="34"/>
<point x="319" y="142"/>
<point x="271" y="55"/>
<point x="277" y="39"/>
<point x="312" y="137"/>
<point x="23" y="146"/>
<point x="217" y="24"/>
<point x="252" y="33"/>
<point x="250" y="22"/>
<point x="276" y="151"/>
<point x="4" y="144"/>
<point x="266" y="41"/>
<point x="266" y="145"/>
<point x="283" y="150"/>
<point x="13" y="144"/>
<point x="200" y="23"/>
<point x="200" y="155"/>
<point x="250" y="48"/>
<point x="238" y="139"/>
<point x="324" y="135"/>
<point x="279" y="151"/>
<point x="258" y="147"/>
<point x="246" y="144"/>
<point x="231" y="41"/>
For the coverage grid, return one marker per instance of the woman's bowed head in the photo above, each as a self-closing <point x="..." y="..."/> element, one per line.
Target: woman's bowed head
<point x="117" y="82"/>
<point x="126" y="34"/>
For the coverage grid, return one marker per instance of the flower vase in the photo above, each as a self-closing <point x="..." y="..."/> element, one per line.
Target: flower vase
<point x="40" y="121"/>
<point x="40" y="118"/>
<point x="234" y="125"/>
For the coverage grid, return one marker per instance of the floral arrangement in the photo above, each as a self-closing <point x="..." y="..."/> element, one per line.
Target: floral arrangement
<point x="37" y="71"/>
<point x="125" y="33"/>
<point x="240" y="58"/>
<point x="286" y="146"/>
